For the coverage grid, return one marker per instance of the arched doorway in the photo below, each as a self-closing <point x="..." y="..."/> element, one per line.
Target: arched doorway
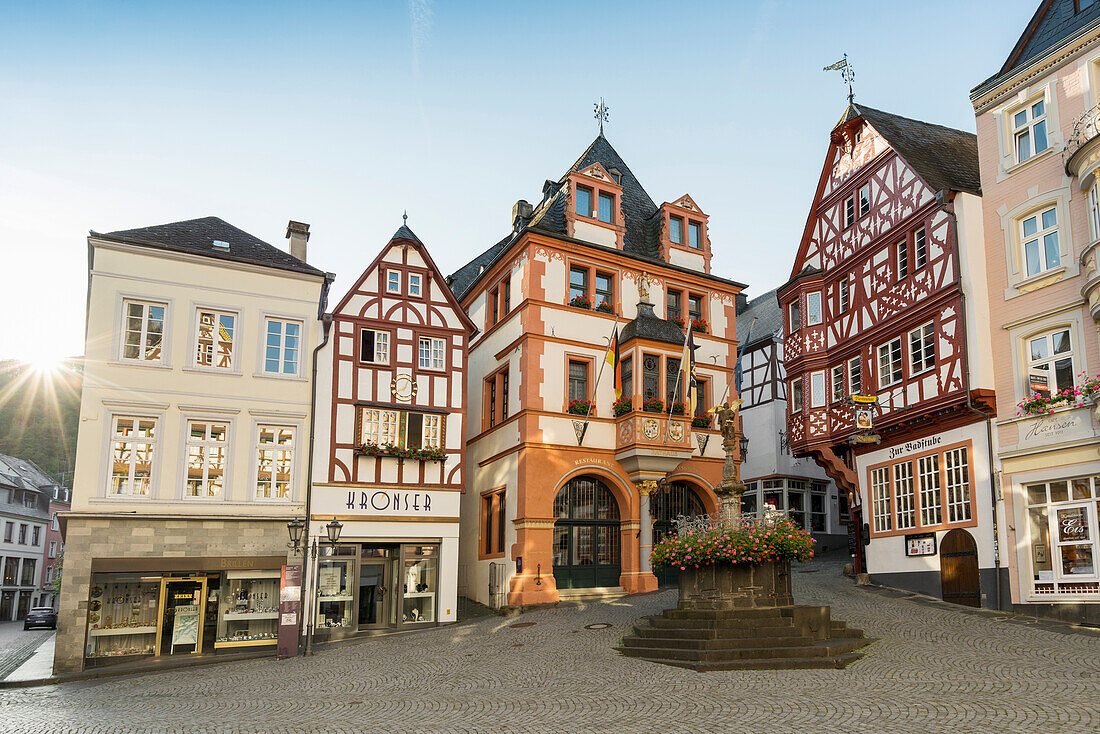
<point x="959" y="580"/>
<point x="586" y="535"/>
<point x="674" y="499"/>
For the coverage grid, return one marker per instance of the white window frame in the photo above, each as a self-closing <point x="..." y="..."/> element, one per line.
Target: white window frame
<point x="53" y="551"/>
<point x="393" y="281"/>
<point x="889" y="380"/>
<point x="143" y="333"/>
<point x="923" y="357"/>
<point x="1094" y="209"/>
<point x="839" y="384"/>
<point x="817" y="389"/>
<point x="282" y="347"/>
<point x="151" y="443"/>
<point x="1030" y="122"/>
<point x="864" y="200"/>
<point x="843" y="295"/>
<point x="903" y="258"/>
<point x="1039" y="238"/>
<point x="814" y="297"/>
<point x="265" y="490"/>
<point x="929" y="490"/>
<point x="920" y="248"/>
<point x="905" y="507"/>
<point x="235" y="339"/>
<point x="434" y="357"/>
<point x="1047" y="335"/>
<point x="209" y="447"/>
<point x="386" y="348"/>
<point x="796" y="395"/>
<point x="418" y="289"/>
<point x="855" y="375"/>
<point x="432" y="431"/>
<point x="849" y="211"/>
<point x="379" y="426"/>
<point x="957" y="480"/>
<point x="794" y="315"/>
<point x="881" y="504"/>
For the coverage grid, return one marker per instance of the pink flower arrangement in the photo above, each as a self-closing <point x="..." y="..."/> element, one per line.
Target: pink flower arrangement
<point x="752" y="543"/>
<point x="1074" y="396"/>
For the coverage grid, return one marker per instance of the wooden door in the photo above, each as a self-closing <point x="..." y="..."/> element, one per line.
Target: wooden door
<point x="959" y="569"/>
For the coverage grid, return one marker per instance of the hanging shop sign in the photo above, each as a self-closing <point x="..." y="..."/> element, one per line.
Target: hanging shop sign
<point x="863" y="399"/>
<point x="865" y="438"/>
<point x="865" y="420"/>
<point x="921" y="544"/>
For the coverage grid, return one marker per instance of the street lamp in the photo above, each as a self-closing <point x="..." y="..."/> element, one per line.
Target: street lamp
<point x="295" y="528"/>
<point x="333" y="529"/>
<point x="744" y="446"/>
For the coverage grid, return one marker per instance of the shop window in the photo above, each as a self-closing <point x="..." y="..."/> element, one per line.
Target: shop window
<point x="433" y="353"/>
<point x="796" y="317"/>
<point x="817" y="389"/>
<point x="248" y="609"/>
<point x="1029" y="130"/>
<point x="855" y="376"/>
<point x="607" y="208"/>
<point x="1039" y="235"/>
<point x="904" y="501"/>
<point x="922" y="349"/>
<point x="493" y="517"/>
<point x="889" y="364"/>
<point x="838" y="383"/>
<point x="864" y="200"/>
<point x="143" y="331"/>
<point x="849" y="211"/>
<point x="938" y="496"/>
<point x="583" y="201"/>
<point x="843" y="511"/>
<point x="214" y="339"/>
<point x="676" y="230"/>
<point x="11" y="570"/>
<point x="207" y="446"/>
<point x="695" y="235"/>
<point x="28" y="572"/>
<point x="336" y="589"/>
<point x="122" y="616"/>
<point x="374" y="346"/>
<point x="880" y="499"/>
<point x="843" y="295"/>
<point x="796" y="502"/>
<point x="420" y="583"/>
<point x="604" y="290"/>
<point x="416" y="284"/>
<point x="957" y="481"/>
<point x="133" y="441"/>
<point x="578" y="380"/>
<point x="281" y="347"/>
<point x="1062" y="528"/>
<point x="920" y="249"/>
<point x="750" y="500"/>
<point x="931" y="498"/>
<point x="1050" y="363"/>
<point x="903" y="259"/>
<point x="275" y="459"/>
<point x="672" y="307"/>
<point x="796" y="395"/>
<point x="813" y="308"/>
<point x="773" y="495"/>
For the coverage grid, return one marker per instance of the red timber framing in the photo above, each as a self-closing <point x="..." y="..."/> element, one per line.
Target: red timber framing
<point x="402" y="296"/>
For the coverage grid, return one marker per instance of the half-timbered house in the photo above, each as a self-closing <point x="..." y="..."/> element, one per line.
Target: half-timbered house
<point x="564" y="499"/>
<point x="886" y="299"/>
<point x="389" y="464"/>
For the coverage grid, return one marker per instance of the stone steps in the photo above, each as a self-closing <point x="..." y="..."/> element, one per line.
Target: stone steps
<point x="711" y="633"/>
<point x="818" y="649"/>
<point x="723" y="643"/>
<point x="839" y="661"/>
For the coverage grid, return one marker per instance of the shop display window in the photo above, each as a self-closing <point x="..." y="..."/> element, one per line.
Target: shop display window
<point x="122" y="615"/>
<point x="1062" y="528"/>
<point x="420" y="582"/>
<point x="248" y="608"/>
<point x="335" y="594"/>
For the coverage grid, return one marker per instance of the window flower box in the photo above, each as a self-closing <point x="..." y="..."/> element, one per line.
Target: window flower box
<point x="622" y="406"/>
<point x="677" y="408"/>
<point x="605" y="307"/>
<point x="579" y="407"/>
<point x="702" y="421"/>
<point x="580" y="302"/>
<point x="653" y="405"/>
<point x="401" y="452"/>
<point x="700" y="325"/>
<point x="1077" y="396"/>
<point x="678" y="320"/>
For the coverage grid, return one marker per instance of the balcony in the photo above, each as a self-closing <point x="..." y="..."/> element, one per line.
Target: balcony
<point x="652" y="443"/>
<point x="1082" y="150"/>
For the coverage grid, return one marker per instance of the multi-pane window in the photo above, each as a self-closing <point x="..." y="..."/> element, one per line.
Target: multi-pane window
<point x="506" y="291"/>
<point x="817" y="389"/>
<point x="416" y="284"/>
<point x="813" y="308"/>
<point x="922" y="348"/>
<point x="35" y="535"/>
<point x="864" y="199"/>
<point x="430" y="436"/>
<point x="889" y="363"/>
<point x="144" y="331"/>
<point x="673" y="388"/>
<point x="880" y="499"/>
<point x="584" y="201"/>
<point x="604" y="290"/>
<point x="214" y="347"/>
<point x="676" y="230"/>
<point x="275" y="457"/>
<point x="695" y="307"/>
<point x="904" y="502"/>
<point x="433" y="352"/>
<point x="494" y="305"/>
<point x="651" y="377"/>
<point x="672" y="307"/>
<point x="849" y="211"/>
<point x="1050" y="363"/>
<point x="796" y="395"/>
<point x="695" y="235"/>
<point x="838" y="382"/>
<point x="931" y="499"/>
<point x="133" y="440"/>
<point x="492" y="388"/>
<point x="378" y="426"/>
<point x="920" y="249"/>
<point x="1094" y="210"/>
<point x="53" y="549"/>
<point x="578" y="380"/>
<point x="796" y="317"/>
<point x="28" y="571"/>
<point x="1062" y="519"/>
<point x="492" y="522"/>
<point x="374" y="346"/>
<point x="855" y="376"/>
<point x="22" y="533"/>
<point x="607" y="206"/>
<point x="1039" y="233"/>
<point x="393" y="281"/>
<point x="504" y="394"/>
<point x="903" y="259"/>
<point x="626" y="369"/>
<point x="207" y="446"/>
<point x="844" y="296"/>
<point x="282" y="347"/>
<point x="1029" y="130"/>
<point x="578" y="283"/>
<point x="957" y="482"/>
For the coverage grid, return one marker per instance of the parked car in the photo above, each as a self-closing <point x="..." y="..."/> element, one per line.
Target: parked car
<point x="40" y="617"/>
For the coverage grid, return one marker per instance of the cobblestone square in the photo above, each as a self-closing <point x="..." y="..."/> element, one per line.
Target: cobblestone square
<point x="934" y="668"/>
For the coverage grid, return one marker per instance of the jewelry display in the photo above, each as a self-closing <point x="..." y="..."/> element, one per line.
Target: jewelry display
<point x="122" y="616"/>
<point x="248" y="608"/>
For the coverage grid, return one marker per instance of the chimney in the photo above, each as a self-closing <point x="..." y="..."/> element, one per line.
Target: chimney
<point x="298" y="234"/>
<point x="742" y="302"/>
<point x="521" y="209"/>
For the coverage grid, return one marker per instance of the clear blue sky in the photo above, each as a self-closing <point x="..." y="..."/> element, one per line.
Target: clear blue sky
<point x="120" y="115"/>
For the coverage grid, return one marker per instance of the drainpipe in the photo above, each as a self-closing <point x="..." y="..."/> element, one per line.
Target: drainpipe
<point x="326" y="328"/>
<point x="946" y="199"/>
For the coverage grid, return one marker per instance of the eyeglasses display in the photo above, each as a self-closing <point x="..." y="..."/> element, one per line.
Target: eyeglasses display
<point x="248" y="609"/>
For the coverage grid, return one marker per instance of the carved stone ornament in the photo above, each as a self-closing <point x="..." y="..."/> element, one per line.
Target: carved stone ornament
<point x="702" y="439"/>
<point x="643" y="287"/>
<point x="651" y="428"/>
<point x="676" y="430"/>
<point x="403" y="389"/>
<point x="579" y="428"/>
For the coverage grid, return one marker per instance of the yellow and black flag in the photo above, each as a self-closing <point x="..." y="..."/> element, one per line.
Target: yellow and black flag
<point x="687" y="366"/>
<point x="613" y="359"/>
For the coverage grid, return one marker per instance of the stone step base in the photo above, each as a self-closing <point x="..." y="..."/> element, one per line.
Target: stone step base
<point x="722" y="643"/>
<point x="821" y="649"/>
<point x="839" y="661"/>
<point x="713" y="633"/>
<point x="593" y="592"/>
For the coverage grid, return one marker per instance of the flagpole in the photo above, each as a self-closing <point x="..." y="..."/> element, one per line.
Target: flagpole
<point x="599" y="374"/>
<point x="740" y="352"/>
<point x="679" y="373"/>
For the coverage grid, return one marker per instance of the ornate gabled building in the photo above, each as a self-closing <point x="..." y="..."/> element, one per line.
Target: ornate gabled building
<point x="1038" y="122"/>
<point x="562" y="497"/>
<point x="887" y="298"/>
<point x="389" y="449"/>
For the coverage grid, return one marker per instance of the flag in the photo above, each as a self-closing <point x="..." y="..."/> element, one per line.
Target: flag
<point x="687" y="367"/>
<point x="612" y="358"/>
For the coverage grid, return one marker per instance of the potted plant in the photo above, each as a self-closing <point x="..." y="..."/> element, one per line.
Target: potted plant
<point x="677" y="408"/>
<point x="622" y="406"/>
<point x="580" y="302"/>
<point x="653" y="405"/>
<point x="605" y="307"/>
<point x="678" y="320"/>
<point x="701" y="421"/>
<point x="1077" y="395"/>
<point x="700" y="325"/>
<point x="579" y="407"/>
<point x="400" y="452"/>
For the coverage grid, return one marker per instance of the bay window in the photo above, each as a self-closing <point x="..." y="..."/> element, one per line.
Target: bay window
<point x="817" y="389"/>
<point x="813" y="308"/>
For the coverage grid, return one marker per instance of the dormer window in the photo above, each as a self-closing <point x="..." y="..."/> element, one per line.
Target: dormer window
<point x="584" y="201"/>
<point x="607" y="208"/>
<point x="676" y="230"/>
<point x="695" y="235"/>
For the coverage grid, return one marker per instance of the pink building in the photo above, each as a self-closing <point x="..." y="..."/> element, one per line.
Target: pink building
<point x="53" y="549"/>
<point x="1039" y="151"/>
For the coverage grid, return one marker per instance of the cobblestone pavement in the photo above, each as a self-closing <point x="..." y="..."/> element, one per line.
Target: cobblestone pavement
<point x="934" y="669"/>
<point x="17" y="645"/>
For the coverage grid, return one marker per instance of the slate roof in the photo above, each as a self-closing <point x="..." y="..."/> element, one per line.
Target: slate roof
<point x="648" y="325"/>
<point x="23" y="474"/>
<point x="404" y="233"/>
<point x="769" y="319"/>
<point x="944" y="157"/>
<point x="197" y="237"/>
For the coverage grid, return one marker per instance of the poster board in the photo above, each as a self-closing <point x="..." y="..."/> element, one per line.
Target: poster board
<point x="185" y="628"/>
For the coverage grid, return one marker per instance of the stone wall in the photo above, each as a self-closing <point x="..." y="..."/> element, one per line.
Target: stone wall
<point x="125" y="537"/>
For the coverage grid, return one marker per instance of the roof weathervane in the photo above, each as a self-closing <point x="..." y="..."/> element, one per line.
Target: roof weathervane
<point x="601" y="109"/>
<point x="847" y="71"/>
